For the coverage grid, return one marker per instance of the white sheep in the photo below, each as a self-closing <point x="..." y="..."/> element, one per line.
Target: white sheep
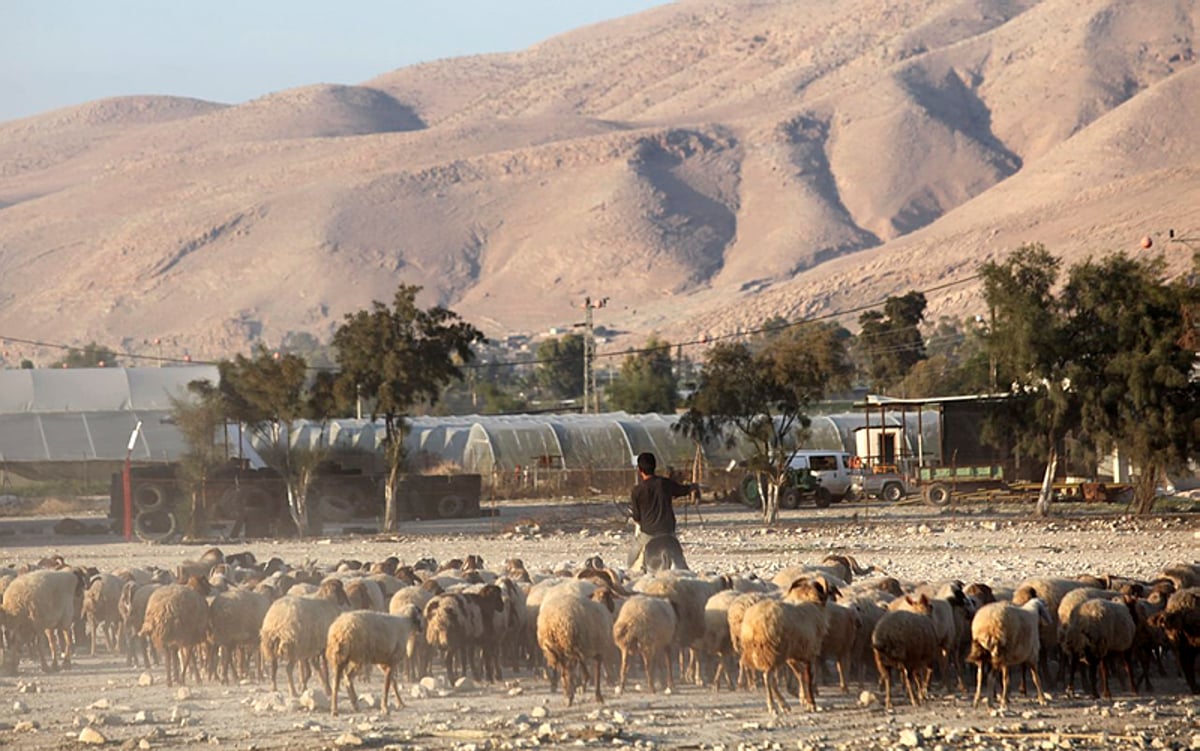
<point x="41" y="603"/>
<point x="1095" y="629"/>
<point x="735" y="613"/>
<point x="295" y="629"/>
<point x="1004" y="635"/>
<point x="646" y="626"/>
<point x="788" y="632"/>
<point x="235" y="621"/>
<point x="1050" y="590"/>
<point x="906" y="639"/>
<point x="101" y="607"/>
<point x="717" y="642"/>
<point x="573" y="630"/>
<point x="845" y="621"/>
<point x="689" y="594"/>
<point x="177" y="622"/>
<point x="364" y="637"/>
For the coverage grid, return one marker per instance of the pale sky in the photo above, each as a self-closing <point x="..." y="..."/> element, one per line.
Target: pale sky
<point x="55" y="53"/>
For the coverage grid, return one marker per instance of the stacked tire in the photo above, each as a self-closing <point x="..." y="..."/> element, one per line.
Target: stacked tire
<point x="154" y="511"/>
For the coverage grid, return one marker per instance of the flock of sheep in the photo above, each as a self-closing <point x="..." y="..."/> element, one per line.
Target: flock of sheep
<point x="232" y="617"/>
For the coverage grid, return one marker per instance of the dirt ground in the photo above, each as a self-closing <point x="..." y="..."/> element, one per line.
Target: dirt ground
<point x="981" y="543"/>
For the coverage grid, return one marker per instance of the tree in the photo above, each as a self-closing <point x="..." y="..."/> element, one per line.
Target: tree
<point x="268" y="393"/>
<point x="397" y="358"/>
<point x="647" y="382"/>
<point x="763" y="394"/>
<point x="92" y="355"/>
<point x="560" y="366"/>
<point x="891" y="340"/>
<point x="955" y="362"/>
<point x="1030" y="345"/>
<point x="1132" y="366"/>
<point x="198" y="420"/>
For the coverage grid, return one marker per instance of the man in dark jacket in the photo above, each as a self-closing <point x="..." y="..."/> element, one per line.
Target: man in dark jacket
<point x="653" y="512"/>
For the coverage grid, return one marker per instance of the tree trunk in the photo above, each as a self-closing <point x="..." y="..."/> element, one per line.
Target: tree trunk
<point x="1145" y="490"/>
<point x="1047" y="491"/>
<point x="391" y="504"/>
<point x="297" y="493"/>
<point x="771" y="502"/>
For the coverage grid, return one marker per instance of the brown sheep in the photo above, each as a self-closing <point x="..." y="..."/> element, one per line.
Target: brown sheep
<point x="786" y="632"/>
<point x="177" y="622"/>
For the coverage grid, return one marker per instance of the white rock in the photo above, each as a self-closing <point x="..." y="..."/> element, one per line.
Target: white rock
<point x="348" y="739"/>
<point x="183" y="694"/>
<point x="516" y="691"/>
<point x="100" y="704"/>
<point x="92" y="736"/>
<point x="910" y="738"/>
<point x="143" y="717"/>
<point x="26" y="726"/>
<point x="145" y="679"/>
<point x="20" y="707"/>
<point x="539" y="712"/>
<point x="464" y="684"/>
<point x="314" y="700"/>
<point x="868" y="699"/>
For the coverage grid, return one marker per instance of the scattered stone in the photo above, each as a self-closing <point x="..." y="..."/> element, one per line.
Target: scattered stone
<point x="92" y="736"/>
<point x="143" y="717"/>
<point x="348" y="740"/>
<point x="26" y="726"/>
<point x="516" y="691"/>
<point x="545" y="732"/>
<point x="100" y="704"/>
<point x="464" y="684"/>
<point x="143" y="744"/>
<point x="539" y="712"/>
<point x="183" y="694"/>
<point x="20" y="707"/>
<point x="314" y="700"/>
<point x="28" y="688"/>
<point x="145" y="679"/>
<point x="868" y="699"/>
<point x="910" y="738"/>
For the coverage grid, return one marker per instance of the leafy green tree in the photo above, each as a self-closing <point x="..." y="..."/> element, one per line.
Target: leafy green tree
<point x="956" y="362"/>
<point x="891" y="342"/>
<point x="399" y="357"/>
<point x="1132" y="367"/>
<point x="560" y="366"/>
<point x="762" y="395"/>
<point x="647" y="382"/>
<point x="92" y="355"/>
<point x="1030" y="342"/>
<point x="268" y="393"/>
<point x="198" y="420"/>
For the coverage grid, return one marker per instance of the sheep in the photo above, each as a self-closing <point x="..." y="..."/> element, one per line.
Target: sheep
<point x="689" y="594"/>
<point x="646" y="625"/>
<point x="101" y="605"/>
<point x="736" y="614"/>
<point x="717" y="641"/>
<point x="132" y="607"/>
<point x="1050" y="591"/>
<point x="1004" y="635"/>
<point x="845" y="621"/>
<point x="364" y="637"/>
<point x="43" y="602"/>
<point x="1180" y="620"/>
<point x="952" y="613"/>
<point x="177" y="622"/>
<point x="908" y="640"/>
<point x="786" y="632"/>
<point x="364" y="594"/>
<point x="295" y="628"/>
<point x="1096" y="629"/>
<point x="452" y="626"/>
<point x="234" y="622"/>
<point x="572" y="630"/>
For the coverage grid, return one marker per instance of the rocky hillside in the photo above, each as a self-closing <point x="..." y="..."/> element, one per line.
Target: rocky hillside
<point x="705" y="165"/>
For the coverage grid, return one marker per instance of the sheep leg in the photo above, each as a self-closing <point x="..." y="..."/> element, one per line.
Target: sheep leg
<point x="599" y="667"/>
<point x="1004" y="678"/>
<point x="841" y="671"/>
<point x="624" y="668"/>
<point x="566" y="674"/>
<point x="649" y="667"/>
<point x="1037" y="684"/>
<point x="914" y="697"/>
<point x="338" y="669"/>
<point x="291" y="671"/>
<point x="390" y="675"/>
<point x="1102" y="667"/>
<point x="666" y="651"/>
<point x="979" y="684"/>
<point x="92" y="627"/>
<point x="885" y="676"/>
<point x="1127" y="658"/>
<point x="351" y="691"/>
<point x="323" y="672"/>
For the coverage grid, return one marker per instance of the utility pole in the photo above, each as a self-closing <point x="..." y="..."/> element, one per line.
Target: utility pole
<point x="591" y="397"/>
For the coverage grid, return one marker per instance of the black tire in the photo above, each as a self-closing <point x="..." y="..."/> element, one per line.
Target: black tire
<point x="154" y="526"/>
<point x="151" y="496"/>
<point x="450" y="507"/>
<point x="892" y="492"/>
<point x="838" y="498"/>
<point x="822" y="497"/>
<point x="937" y="494"/>
<point x="789" y="498"/>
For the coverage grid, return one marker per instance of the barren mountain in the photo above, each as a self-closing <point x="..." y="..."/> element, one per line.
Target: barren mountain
<point x="705" y="165"/>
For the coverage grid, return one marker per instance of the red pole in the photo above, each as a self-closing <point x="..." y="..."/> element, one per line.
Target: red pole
<point x="126" y="471"/>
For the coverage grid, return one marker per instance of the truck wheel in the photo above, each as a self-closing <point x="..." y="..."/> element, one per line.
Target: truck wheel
<point x="450" y="507"/>
<point x="892" y="492"/>
<point x="154" y="526"/>
<point x="789" y="498"/>
<point x="150" y="497"/>
<point x="336" y="507"/>
<point x="749" y="492"/>
<point x="822" y="497"/>
<point x="937" y="494"/>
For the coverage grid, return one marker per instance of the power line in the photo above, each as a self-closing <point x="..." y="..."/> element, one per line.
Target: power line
<point x="702" y="342"/>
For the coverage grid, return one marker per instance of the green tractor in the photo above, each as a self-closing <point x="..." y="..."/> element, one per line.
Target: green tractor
<point x="800" y="484"/>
